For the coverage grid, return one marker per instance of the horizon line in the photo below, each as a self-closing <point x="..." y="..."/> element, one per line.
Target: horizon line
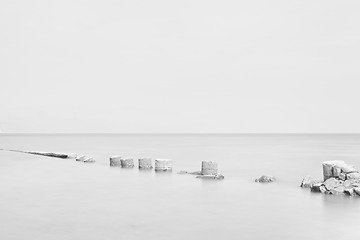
<point x="176" y="133"/>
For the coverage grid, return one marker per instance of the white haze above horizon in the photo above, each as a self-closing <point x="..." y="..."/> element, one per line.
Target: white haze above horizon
<point x="179" y="66"/>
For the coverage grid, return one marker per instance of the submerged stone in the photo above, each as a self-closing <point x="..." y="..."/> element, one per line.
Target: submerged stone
<point x="265" y="179"/>
<point x="308" y="182"/>
<point x="357" y="190"/>
<point x="318" y="187"/>
<point x="349" y="191"/>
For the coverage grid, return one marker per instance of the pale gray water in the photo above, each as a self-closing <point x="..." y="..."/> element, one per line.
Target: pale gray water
<point x="49" y="198"/>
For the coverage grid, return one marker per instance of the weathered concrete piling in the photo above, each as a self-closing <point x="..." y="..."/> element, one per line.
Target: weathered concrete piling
<point x="145" y="163"/>
<point x="115" y="161"/>
<point x="127" y="163"/>
<point x="209" y="168"/>
<point x="163" y="165"/>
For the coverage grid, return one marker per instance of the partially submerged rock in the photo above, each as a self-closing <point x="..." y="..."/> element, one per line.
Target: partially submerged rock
<point x="318" y="187"/>
<point x="349" y="191"/>
<point x="308" y="182"/>
<point x="265" y="179"/>
<point x="357" y="190"/>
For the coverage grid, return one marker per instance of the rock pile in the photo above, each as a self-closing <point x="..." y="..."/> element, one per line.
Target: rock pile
<point x="339" y="178"/>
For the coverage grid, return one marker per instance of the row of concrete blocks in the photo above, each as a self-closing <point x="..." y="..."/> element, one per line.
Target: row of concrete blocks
<point x="207" y="167"/>
<point x="144" y="163"/>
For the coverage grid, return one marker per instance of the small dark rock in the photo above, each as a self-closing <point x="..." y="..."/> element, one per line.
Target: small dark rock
<point x="357" y="190"/>
<point x="318" y="187"/>
<point x="349" y="191"/>
<point x="308" y="182"/>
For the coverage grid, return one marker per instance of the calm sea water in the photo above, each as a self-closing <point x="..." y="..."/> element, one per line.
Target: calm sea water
<point x="49" y="198"/>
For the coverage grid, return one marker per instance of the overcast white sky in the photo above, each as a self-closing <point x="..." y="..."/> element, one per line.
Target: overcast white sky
<point x="179" y="66"/>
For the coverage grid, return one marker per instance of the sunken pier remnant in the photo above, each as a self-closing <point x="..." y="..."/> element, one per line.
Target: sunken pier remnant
<point x="115" y="161"/>
<point x="209" y="168"/>
<point x="89" y="160"/>
<point x="163" y="165"/>
<point x="127" y="163"/>
<point x="145" y="163"/>
<point x="265" y="179"/>
<point x="72" y="155"/>
<point x="80" y="158"/>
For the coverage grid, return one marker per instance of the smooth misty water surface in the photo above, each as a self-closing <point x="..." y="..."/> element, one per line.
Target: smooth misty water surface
<point x="50" y="198"/>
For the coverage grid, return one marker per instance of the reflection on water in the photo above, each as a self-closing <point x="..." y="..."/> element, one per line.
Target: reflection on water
<point x="47" y="198"/>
